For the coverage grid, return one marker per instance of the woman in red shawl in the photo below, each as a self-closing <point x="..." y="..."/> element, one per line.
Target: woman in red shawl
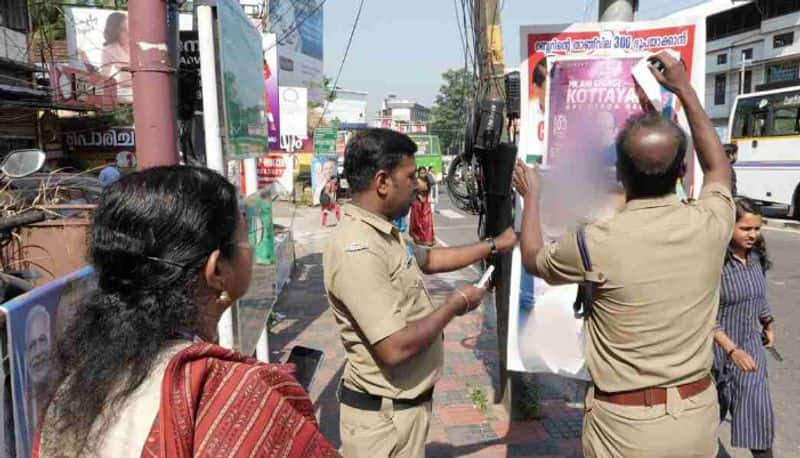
<point x="140" y="374"/>
<point x="421" y="222"/>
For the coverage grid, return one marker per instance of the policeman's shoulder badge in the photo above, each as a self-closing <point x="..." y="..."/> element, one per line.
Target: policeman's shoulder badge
<point x="354" y="247"/>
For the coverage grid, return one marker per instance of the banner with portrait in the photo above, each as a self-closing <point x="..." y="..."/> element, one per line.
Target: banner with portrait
<point x="33" y="322"/>
<point x="578" y="92"/>
<point x="98" y="44"/>
<point x="323" y="169"/>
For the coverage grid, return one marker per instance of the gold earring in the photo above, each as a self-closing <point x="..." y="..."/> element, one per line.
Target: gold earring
<point x="224" y="298"/>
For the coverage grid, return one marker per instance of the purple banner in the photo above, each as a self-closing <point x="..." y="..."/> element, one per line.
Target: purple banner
<point x="590" y="99"/>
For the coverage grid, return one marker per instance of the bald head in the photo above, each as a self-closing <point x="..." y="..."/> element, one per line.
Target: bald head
<point x="650" y="154"/>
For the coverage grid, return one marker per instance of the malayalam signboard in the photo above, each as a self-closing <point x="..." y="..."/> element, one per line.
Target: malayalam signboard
<point x="93" y="147"/>
<point x="577" y="93"/>
<point x="325" y="141"/>
<point x="276" y="172"/>
<point x="241" y="59"/>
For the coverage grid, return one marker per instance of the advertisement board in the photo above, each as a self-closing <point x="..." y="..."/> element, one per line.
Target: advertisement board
<point x="241" y="66"/>
<point x="577" y="93"/>
<point x="276" y="172"/>
<point x="32" y="323"/>
<point x="299" y="27"/>
<point x="95" y="147"/>
<point x="325" y="141"/>
<point x="271" y="94"/>
<point x="98" y="44"/>
<point x="323" y="168"/>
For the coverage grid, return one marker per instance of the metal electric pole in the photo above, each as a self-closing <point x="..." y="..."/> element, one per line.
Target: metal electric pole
<point x="154" y="111"/>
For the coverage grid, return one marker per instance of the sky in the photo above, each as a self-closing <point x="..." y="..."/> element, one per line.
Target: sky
<point x="402" y="48"/>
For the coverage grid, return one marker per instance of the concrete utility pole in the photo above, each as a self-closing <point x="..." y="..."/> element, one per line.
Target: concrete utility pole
<point x="154" y="112"/>
<point x="491" y="62"/>
<point x="617" y="10"/>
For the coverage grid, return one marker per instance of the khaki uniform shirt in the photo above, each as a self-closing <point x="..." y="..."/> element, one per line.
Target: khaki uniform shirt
<point x="374" y="289"/>
<point x="654" y="312"/>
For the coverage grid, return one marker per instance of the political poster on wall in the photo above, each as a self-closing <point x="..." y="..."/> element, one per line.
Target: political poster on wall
<point x="33" y="322"/>
<point x="323" y="168"/>
<point x="97" y="43"/>
<point x="298" y="25"/>
<point x="271" y="93"/>
<point x="578" y="93"/>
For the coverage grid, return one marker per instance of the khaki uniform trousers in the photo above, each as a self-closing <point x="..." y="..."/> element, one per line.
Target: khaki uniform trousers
<point x="386" y="433"/>
<point x="681" y="428"/>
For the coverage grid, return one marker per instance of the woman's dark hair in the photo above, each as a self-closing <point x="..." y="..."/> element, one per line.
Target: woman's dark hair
<point x="642" y="176"/>
<point x="372" y="150"/>
<point x="113" y="27"/>
<point x="748" y="206"/>
<point x="151" y="235"/>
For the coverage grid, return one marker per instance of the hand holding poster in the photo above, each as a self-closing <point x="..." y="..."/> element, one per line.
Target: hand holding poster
<point x="580" y="92"/>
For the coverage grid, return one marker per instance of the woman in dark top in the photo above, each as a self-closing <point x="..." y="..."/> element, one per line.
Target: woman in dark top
<point x="744" y="326"/>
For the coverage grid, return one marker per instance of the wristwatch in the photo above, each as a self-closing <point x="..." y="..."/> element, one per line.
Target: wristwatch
<point x="492" y="246"/>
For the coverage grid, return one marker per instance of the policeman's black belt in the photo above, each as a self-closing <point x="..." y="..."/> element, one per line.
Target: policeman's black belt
<point x="366" y="401"/>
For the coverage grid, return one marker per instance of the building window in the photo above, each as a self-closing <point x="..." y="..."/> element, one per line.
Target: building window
<point x="719" y="89"/>
<point x="733" y="21"/>
<point x="748" y="82"/>
<point x="783" y="39"/>
<point x="14" y="14"/>
<point x="772" y="9"/>
<point x="784" y="71"/>
<point x="722" y="59"/>
<point x="747" y="54"/>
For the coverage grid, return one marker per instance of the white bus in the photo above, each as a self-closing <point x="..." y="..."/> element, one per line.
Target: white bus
<point x="766" y="127"/>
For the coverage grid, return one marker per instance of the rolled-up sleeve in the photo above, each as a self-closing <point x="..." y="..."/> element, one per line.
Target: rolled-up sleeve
<point x="716" y="199"/>
<point x="559" y="263"/>
<point x="362" y="283"/>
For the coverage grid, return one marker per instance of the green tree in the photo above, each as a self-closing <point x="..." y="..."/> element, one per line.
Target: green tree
<point x="451" y="109"/>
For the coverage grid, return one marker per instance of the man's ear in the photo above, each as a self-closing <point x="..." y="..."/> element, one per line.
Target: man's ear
<point x="382" y="184"/>
<point x="212" y="272"/>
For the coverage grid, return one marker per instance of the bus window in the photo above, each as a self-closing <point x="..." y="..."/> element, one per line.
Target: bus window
<point x="742" y="122"/>
<point x="784" y="121"/>
<point x="758" y="123"/>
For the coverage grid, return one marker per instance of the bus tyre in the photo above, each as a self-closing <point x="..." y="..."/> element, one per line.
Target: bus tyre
<point x="795" y="213"/>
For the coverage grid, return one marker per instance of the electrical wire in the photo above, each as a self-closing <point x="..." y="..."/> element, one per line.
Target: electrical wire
<point x="344" y="59"/>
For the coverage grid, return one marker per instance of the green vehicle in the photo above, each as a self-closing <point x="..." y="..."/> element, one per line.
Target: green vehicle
<point x="429" y="152"/>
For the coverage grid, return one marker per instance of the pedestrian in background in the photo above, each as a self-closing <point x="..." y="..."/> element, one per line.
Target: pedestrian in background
<point x="433" y="184"/>
<point x="744" y="326"/>
<point x="421" y="219"/>
<point x="390" y="329"/>
<point x="328" y="201"/>
<point x="110" y="172"/>
<point x="655" y="274"/>
<point x="141" y="373"/>
<point x="732" y="153"/>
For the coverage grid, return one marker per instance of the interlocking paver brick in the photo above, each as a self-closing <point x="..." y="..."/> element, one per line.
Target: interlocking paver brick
<point x="458" y="429"/>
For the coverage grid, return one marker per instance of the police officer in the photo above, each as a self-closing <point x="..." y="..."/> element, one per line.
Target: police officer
<point x="390" y="328"/>
<point x="656" y="266"/>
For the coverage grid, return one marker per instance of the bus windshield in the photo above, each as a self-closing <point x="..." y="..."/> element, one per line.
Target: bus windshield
<point x="767" y="115"/>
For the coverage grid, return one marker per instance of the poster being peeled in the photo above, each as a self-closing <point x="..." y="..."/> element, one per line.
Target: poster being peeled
<point x="578" y="92"/>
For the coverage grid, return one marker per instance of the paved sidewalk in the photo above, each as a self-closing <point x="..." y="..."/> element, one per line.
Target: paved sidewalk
<point x="458" y="428"/>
